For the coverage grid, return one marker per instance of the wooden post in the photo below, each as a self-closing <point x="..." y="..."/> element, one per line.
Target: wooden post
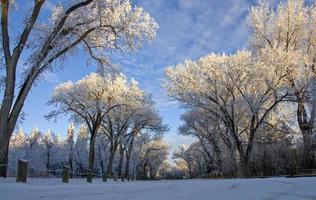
<point x="104" y="177"/>
<point x="66" y="173"/>
<point x="22" y="171"/>
<point x="89" y="176"/>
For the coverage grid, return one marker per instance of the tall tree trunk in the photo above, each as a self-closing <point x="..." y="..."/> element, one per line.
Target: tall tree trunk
<point x="128" y="157"/>
<point x="218" y="153"/>
<point x="144" y="171"/>
<point x="71" y="164"/>
<point x="48" y="161"/>
<point x="232" y="155"/>
<point x="306" y="127"/>
<point x="92" y="151"/>
<point x="190" y="170"/>
<point x="111" y="158"/>
<point x="231" y="149"/>
<point x="249" y="149"/>
<point x="101" y="161"/>
<point x="120" y="167"/>
<point x="4" y="148"/>
<point x="5" y="136"/>
<point x="152" y="172"/>
<point x="240" y="150"/>
<point x="109" y="171"/>
<point x="102" y="167"/>
<point x="308" y="151"/>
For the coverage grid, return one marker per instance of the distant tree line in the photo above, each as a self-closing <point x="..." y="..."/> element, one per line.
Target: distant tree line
<point x="47" y="152"/>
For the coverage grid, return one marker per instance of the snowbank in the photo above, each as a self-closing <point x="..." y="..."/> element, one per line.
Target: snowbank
<point x="78" y="189"/>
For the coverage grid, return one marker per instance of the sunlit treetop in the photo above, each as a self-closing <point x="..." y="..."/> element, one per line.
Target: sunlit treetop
<point x="285" y="37"/>
<point x="95" y="94"/>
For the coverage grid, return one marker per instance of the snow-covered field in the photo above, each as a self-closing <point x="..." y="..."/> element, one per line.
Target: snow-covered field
<point x="78" y="189"/>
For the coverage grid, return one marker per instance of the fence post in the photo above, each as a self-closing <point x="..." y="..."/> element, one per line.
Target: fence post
<point x="66" y="174"/>
<point x="104" y="177"/>
<point x="89" y="176"/>
<point x="22" y="171"/>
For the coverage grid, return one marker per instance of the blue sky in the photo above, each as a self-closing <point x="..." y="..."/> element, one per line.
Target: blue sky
<point x="189" y="29"/>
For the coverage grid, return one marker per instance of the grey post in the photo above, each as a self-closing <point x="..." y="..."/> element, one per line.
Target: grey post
<point x="22" y="171"/>
<point x="89" y="176"/>
<point x="66" y="172"/>
<point x="104" y="177"/>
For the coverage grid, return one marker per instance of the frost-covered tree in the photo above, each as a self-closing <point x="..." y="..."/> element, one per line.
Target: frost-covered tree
<point x="18" y="145"/>
<point x="184" y="154"/>
<point x="53" y="150"/>
<point x="48" y="153"/>
<point x="94" y="26"/>
<point x="151" y="152"/>
<point x="240" y="90"/>
<point x="59" y="154"/>
<point x="115" y="128"/>
<point x="287" y="35"/>
<point x="70" y="145"/>
<point x="81" y="149"/>
<point x="122" y="125"/>
<point x="192" y="160"/>
<point x="90" y="100"/>
<point x="157" y="156"/>
<point x="145" y="121"/>
<point x="35" y="150"/>
<point x="213" y="137"/>
<point x="48" y="141"/>
<point x="102" y="152"/>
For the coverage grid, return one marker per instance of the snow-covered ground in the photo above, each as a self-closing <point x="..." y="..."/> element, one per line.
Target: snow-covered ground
<point x="78" y="189"/>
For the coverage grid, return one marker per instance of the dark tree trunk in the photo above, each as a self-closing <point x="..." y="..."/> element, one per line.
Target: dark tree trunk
<point x="128" y="157"/>
<point x="127" y="166"/>
<point x="233" y="161"/>
<point x="101" y="161"/>
<point x="110" y="164"/>
<point x="190" y="170"/>
<point x="243" y="164"/>
<point x="4" y="150"/>
<point x="92" y="151"/>
<point x="218" y="153"/>
<point x="306" y="127"/>
<point x="308" y="152"/>
<point x="102" y="167"/>
<point x="120" y="167"/>
<point x="48" y="161"/>
<point x="71" y="165"/>
<point x="111" y="158"/>
<point x="144" y="170"/>
<point x="4" y="159"/>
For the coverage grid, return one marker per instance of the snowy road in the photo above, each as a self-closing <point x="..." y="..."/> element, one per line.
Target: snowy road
<point x="253" y="189"/>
